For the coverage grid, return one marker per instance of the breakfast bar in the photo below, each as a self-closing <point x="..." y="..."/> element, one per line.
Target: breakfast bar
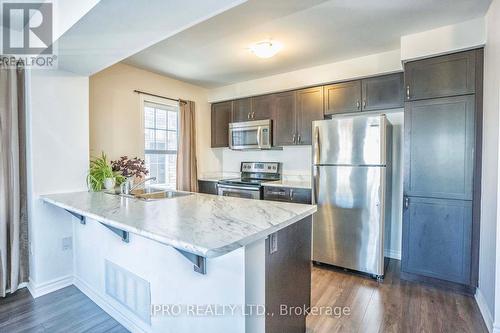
<point x="157" y="261"/>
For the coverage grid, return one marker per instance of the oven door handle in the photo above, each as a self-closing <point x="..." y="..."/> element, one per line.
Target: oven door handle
<point x="223" y="186"/>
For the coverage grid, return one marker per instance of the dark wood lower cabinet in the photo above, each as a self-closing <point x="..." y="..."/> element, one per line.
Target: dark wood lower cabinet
<point x="437" y="234"/>
<point x="207" y="187"/>
<point x="287" y="194"/>
<point x="288" y="278"/>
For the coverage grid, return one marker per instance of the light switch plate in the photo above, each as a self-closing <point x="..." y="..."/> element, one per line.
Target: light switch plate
<point x="67" y="243"/>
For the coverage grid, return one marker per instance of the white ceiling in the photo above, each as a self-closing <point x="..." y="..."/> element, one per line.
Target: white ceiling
<point x="116" y="29"/>
<point x="214" y="52"/>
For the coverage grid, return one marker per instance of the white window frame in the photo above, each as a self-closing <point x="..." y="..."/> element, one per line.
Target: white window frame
<point x="143" y="99"/>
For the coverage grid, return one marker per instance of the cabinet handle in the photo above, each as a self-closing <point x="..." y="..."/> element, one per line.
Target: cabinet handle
<point x="364" y="103"/>
<point x="358" y="104"/>
<point x="406" y="202"/>
<point x="293" y="137"/>
<point x="253" y="115"/>
<point x="298" y="139"/>
<point x="408" y="92"/>
<point x="248" y="115"/>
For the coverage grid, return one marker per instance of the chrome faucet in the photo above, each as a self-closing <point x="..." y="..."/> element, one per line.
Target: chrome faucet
<point x="125" y="187"/>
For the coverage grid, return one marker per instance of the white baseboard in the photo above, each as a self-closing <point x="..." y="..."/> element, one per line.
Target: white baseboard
<point x="392" y="254"/>
<point x="485" y="311"/>
<point x="127" y="321"/>
<point x="41" y="289"/>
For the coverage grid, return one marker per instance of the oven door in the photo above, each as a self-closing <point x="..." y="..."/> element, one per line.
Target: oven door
<point x="246" y="192"/>
<point x="250" y="135"/>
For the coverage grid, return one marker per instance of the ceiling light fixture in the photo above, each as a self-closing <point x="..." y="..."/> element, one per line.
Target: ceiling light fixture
<point x="266" y="49"/>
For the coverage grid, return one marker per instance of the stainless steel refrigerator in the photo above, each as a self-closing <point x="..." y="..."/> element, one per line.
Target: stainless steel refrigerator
<point x="352" y="188"/>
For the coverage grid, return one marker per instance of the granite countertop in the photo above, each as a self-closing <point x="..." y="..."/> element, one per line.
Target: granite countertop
<point x="202" y="224"/>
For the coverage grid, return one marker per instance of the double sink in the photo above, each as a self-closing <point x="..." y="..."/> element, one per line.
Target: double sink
<point x="151" y="194"/>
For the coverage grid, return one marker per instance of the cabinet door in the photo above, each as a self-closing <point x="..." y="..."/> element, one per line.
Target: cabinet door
<point x="383" y="92"/>
<point x="300" y="195"/>
<point x="437" y="239"/>
<point x="242" y="110"/>
<point x="443" y="76"/>
<point x="309" y="107"/>
<point x="285" y="129"/>
<point x="343" y="97"/>
<point x="276" y="193"/>
<point x="439" y="148"/>
<point x="288" y="277"/>
<point x="221" y="117"/>
<point x="262" y="107"/>
<point x="207" y="187"/>
<point x="287" y="194"/>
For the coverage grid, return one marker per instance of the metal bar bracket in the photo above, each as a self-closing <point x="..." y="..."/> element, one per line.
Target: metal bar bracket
<point x="122" y="233"/>
<point x="199" y="262"/>
<point x="78" y="216"/>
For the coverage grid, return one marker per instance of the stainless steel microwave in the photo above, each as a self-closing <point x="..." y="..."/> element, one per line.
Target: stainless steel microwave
<point x="250" y="135"/>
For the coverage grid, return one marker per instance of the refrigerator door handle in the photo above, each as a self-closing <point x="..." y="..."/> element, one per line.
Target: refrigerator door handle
<point x="315" y="185"/>
<point x="316" y="157"/>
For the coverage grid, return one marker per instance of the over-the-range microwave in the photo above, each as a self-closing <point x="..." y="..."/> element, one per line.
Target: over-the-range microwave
<point x="254" y="134"/>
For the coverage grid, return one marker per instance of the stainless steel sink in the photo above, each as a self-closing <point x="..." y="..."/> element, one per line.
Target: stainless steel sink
<point x="151" y="194"/>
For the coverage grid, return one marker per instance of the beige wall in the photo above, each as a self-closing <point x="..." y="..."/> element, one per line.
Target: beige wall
<point x="115" y="115"/>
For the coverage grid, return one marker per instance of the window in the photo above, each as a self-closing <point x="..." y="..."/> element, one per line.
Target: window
<point x="160" y="138"/>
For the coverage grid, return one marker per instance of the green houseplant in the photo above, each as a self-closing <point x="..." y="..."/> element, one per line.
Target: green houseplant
<point x="100" y="169"/>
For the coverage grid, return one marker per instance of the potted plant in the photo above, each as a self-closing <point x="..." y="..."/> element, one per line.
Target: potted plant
<point x="102" y="175"/>
<point x="130" y="168"/>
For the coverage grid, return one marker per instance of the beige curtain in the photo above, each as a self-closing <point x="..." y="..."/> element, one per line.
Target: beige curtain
<point x="13" y="203"/>
<point x="187" y="178"/>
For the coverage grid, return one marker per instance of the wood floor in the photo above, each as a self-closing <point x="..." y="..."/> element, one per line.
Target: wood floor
<point x="66" y="311"/>
<point x="390" y="306"/>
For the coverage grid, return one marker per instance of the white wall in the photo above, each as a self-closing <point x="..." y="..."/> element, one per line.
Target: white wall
<point x="57" y="162"/>
<point x="386" y="62"/>
<point x="170" y="275"/>
<point x="447" y="39"/>
<point x="115" y="113"/>
<point x="488" y="259"/>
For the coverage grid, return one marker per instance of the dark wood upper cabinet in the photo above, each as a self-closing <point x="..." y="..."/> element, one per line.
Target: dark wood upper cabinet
<point x="293" y="112"/>
<point x="383" y="92"/>
<point x="439" y="148"/>
<point x="442" y="76"/>
<point x="221" y="117"/>
<point x="309" y="108"/>
<point x="262" y="107"/>
<point x="242" y="110"/>
<point x="342" y="97"/>
<point x="285" y="128"/>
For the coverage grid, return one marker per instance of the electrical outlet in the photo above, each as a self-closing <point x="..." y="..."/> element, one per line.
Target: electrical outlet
<point x="67" y="243"/>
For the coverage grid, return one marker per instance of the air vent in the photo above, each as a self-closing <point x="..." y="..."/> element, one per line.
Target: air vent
<point x="128" y="289"/>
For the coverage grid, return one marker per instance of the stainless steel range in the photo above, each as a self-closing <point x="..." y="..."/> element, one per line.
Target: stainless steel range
<point x="249" y="185"/>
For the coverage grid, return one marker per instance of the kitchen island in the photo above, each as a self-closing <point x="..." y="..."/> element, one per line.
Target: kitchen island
<point x="194" y="263"/>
